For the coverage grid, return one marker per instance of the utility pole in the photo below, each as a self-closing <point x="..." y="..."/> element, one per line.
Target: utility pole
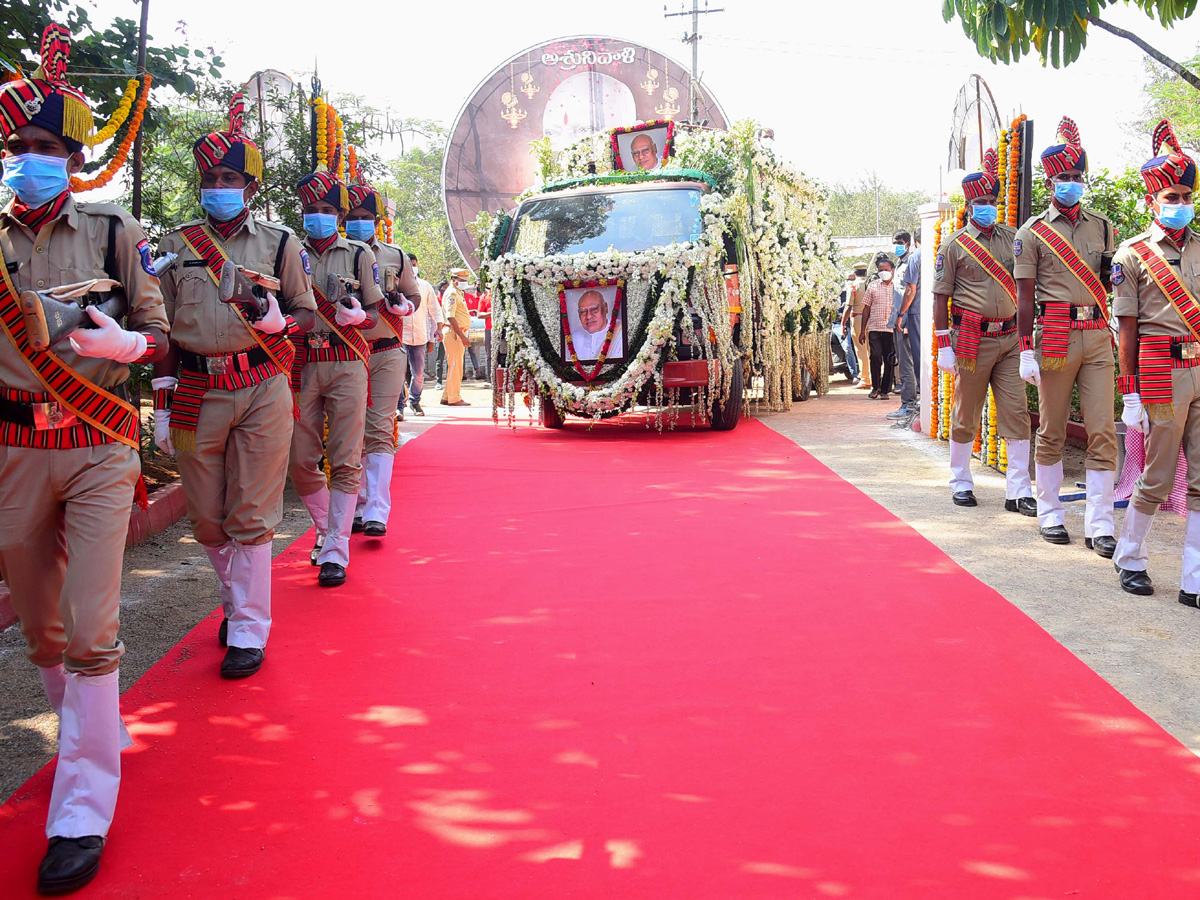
<point x="694" y="40"/>
<point x="136" y="203"/>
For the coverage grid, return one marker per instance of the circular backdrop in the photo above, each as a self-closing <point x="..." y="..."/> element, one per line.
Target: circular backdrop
<point x="566" y="89"/>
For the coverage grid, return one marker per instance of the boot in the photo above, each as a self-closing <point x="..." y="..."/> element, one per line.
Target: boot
<point x="336" y="548"/>
<point x="89" y="759"/>
<point x="250" y="580"/>
<point x="1131" y="557"/>
<point x="318" y="507"/>
<point x="1098" y="511"/>
<point x="962" y="486"/>
<point x="378" y="481"/>
<point x="1189" y="582"/>
<point x="1016" y="476"/>
<point x="54" y="682"/>
<point x="221" y="558"/>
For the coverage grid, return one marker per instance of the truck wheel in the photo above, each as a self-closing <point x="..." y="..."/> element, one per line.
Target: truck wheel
<point x="551" y="417"/>
<point x="726" y="418"/>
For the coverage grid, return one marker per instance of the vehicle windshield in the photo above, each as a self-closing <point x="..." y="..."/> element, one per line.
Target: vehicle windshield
<point x="625" y="220"/>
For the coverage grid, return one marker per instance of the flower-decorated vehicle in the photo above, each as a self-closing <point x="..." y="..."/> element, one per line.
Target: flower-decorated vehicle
<point x="703" y="282"/>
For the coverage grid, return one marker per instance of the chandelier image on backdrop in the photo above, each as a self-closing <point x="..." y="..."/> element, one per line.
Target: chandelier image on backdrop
<point x="513" y="114"/>
<point x="529" y="87"/>
<point x="650" y="85"/>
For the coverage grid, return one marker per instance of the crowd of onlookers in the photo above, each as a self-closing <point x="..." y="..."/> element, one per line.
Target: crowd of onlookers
<point x="880" y="326"/>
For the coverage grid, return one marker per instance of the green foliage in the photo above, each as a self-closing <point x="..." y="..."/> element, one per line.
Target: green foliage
<point x="852" y="208"/>
<point x="1006" y="30"/>
<point x="1170" y="97"/>
<point x="481" y="229"/>
<point x="541" y="150"/>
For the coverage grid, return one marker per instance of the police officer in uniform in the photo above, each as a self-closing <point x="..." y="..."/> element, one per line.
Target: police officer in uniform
<point x="1156" y="299"/>
<point x="858" y="294"/>
<point x="974" y="266"/>
<point x="331" y="364"/>
<point x="68" y="447"/>
<point x="455" y="340"/>
<point x="233" y="423"/>
<point x="388" y="359"/>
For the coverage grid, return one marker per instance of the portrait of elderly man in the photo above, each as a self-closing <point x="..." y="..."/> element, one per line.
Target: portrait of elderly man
<point x="594" y="310"/>
<point x="645" y="152"/>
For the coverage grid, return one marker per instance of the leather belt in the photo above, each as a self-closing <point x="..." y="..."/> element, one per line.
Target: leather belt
<point x="1078" y="313"/>
<point x="1187" y="350"/>
<point x="224" y="364"/>
<point x="322" y="340"/>
<point x="990" y="327"/>
<point x="39" y="416"/>
<point x="384" y="344"/>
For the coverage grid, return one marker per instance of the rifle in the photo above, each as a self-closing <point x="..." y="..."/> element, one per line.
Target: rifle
<point x="247" y="288"/>
<point x="340" y="290"/>
<point x="52" y="315"/>
<point x="391" y="288"/>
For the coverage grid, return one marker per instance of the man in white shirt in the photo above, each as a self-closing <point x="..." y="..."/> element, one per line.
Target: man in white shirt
<point x="588" y="339"/>
<point x="420" y="331"/>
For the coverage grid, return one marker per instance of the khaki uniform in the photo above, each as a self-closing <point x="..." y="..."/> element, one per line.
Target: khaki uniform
<point x="864" y="349"/>
<point x="1089" y="362"/>
<point x="1136" y="294"/>
<point x="454" y="304"/>
<point x="957" y="275"/>
<point x="333" y="392"/>
<point x="64" y="513"/>
<point x="234" y="480"/>
<point x="389" y="361"/>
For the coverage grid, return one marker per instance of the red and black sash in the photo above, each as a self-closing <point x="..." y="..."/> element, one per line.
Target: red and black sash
<point x="354" y="345"/>
<point x="970" y="328"/>
<point x="1056" y="320"/>
<point x="1154" y="353"/>
<point x="394" y="323"/>
<point x="189" y="394"/>
<point x="103" y="418"/>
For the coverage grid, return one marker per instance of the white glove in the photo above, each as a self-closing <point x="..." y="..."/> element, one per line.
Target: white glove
<point x="272" y="322"/>
<point x="1134" y="414"/>
<point x="403" y="308"/>
<point x="109" y="341"/>
<point x="1029" y="368"/>
<point x="162" y="431"/>
<point x="945" y="355"/>
<point x="352" y="317"/>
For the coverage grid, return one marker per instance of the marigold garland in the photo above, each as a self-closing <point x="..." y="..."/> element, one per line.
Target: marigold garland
<point x="1013" y="172"/>
<point x="114" y="165"/>
<point x="322" y="146"/>
<point x="120" y="114"/>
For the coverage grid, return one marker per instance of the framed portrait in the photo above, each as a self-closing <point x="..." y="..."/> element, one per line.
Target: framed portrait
<point x="645" y="147"/>
<point x="593" y="324"/>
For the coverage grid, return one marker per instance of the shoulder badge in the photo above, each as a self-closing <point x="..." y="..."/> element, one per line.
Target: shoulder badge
<point x="1017" y="247"/>
<point x="375" y="272"/>
<point x="939" y="264"/>
<point x="1118" y="275"/>
<point x="143" y="248"/>
<point x="304" y="259"/>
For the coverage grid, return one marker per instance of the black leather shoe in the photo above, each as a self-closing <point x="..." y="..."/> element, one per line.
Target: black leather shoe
<point x="374" y="529"/>
<point x="1104" y="544"/>
<point x="1055" y="534"/>
<point x="331" y="575"/>
<point x="223" y="633"/>
<point x="1192" y="600"/>
<point x="69" y="864"/>
<point x="416" y="408"/>
<point x="241" y="662"/>
<point x="964" y="498"/>
<point x="1135" y="582"/>
<point x="1026" y="506"/>
<point x="357" y="526"/>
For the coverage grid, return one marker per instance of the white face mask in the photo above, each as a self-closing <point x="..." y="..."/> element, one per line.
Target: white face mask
<point x="885" y="276"/>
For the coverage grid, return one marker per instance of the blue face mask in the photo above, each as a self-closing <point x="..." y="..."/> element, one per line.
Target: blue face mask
<point x="1068" y="193"/>
<point x="1176" y="215"/>
<point x="899" y="249"/>
<point x="222" y="203"/>
<point x="320" y="225"/>
<point x="360" y="229"/>
<point x="36" y="179"/>
<point x="984" y="216"/>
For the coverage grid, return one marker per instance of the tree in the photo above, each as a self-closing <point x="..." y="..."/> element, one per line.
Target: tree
<point x="1170" y="97"/>
<point x="870" y="207"/>
<point x="1006" y="30"/>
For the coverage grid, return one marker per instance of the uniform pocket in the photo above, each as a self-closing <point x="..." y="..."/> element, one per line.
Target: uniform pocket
<point x="192" y="287"/>
<point x="972" y="273"/>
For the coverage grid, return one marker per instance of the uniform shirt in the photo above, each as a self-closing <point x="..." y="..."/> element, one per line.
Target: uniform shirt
<point x="1135" y="293"/>
<point x="858" y="296"/>
<point x="389" y="257"/>
<point x="956" y="273"/>
<point x="879" y="296"/>
<point x="69" y="249"/>
<point x="200" y="322"/>
<point x="424" y="325"/>
<point x="339" y="260"/>
<point x="1090" y="237"/>
<point x="454" y="305"/>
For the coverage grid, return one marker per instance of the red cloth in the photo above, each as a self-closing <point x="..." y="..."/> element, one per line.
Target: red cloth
<point x="485" y="306"/>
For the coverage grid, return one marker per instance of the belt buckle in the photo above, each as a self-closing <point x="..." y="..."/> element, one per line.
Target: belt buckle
<point x="49" y="416"/>
<point x="994" y="327"/>
<point x="317" y="341"/>
<point x="219" y="365"/>
<point x="1081" y="313"/>
<point x="1190" y="350"/>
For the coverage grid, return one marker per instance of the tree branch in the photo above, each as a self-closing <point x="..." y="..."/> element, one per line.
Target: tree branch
<point x="1182" y="71"/>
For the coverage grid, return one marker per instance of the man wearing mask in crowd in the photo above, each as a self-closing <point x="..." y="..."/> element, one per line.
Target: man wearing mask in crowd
<point x="388" y="359"/>
<point x="222" y="401"/>
<point x="899" y="322"/>
<point x="910" y="314"/>
<point x="848" y="324"/>
<point x="974" y="266"/>
<point x="1156" y="283"/>
<point x="69" y="448"/>
<point x="455" y="339"/>
<point x="874" y="327"/>
<point x="420" y="331"/>
<point x="331" y="365"/>
<point x="1061" y="283"/>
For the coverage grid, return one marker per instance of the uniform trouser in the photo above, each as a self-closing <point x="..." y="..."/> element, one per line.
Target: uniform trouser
<point x="387" y="383"/>
<point x="908" y="379"/>
<point x="336" y="391"/>
<point x="883" y="360"/>
<point x="1162" y="447"/>
<point x="1089" y="364"/>
<point x="416" y="372"/>
<point x="848" y="350"/>
<point x="914" y="344"/>
<point x="997" y="365"/>
<point x="455" y="350"/>
<point x="234" y="480"/>
<point x="864" y="349"/>
<point x="64" y="515"/>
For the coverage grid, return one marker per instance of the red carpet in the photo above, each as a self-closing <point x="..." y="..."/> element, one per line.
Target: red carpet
<point x="630" y="665"/>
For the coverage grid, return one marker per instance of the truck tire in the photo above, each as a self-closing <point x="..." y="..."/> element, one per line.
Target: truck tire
<point x="726" y="418"/>
<point x="551" y="417"/>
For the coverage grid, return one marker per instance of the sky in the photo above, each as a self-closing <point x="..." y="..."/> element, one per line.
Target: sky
<point x="849" y="87"/>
